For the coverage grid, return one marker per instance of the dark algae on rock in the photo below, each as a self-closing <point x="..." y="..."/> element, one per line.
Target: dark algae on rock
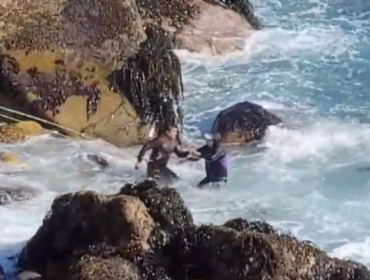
<point x="146" y="232"/>
<point x="103" y="68"/>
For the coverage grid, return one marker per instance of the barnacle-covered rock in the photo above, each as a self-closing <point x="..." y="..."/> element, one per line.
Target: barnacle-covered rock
<point x="240" y="224"/>
<point x="78" y="221"/>
<point x="218" y="252"/>
<point x="244" y="122"/>
<point x="165" y="205"/>
<point x="144" y="232"/>
<point x="98" y="268"/>
<point x="62" y="60"/>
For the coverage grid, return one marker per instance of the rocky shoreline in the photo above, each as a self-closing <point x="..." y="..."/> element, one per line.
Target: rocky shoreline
<point x="107" y="68"/>
<point x="147" y="232"/>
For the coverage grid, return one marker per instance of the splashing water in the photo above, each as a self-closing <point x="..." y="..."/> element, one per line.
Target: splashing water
<point x="310" y="65"/>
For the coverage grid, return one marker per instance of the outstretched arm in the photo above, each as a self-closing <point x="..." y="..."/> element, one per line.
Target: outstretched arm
<point x="148" y="146"/>
<point x="181" y="153"/>
<point x="198" y="154"/>
<point x="219" y="153"/>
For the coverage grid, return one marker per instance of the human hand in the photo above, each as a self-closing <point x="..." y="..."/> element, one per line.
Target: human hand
<point x="194" y="153"/>
<point x="137" y="165"/>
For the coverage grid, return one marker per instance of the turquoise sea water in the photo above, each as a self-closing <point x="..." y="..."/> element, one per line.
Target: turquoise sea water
<point x="310" y="65"/>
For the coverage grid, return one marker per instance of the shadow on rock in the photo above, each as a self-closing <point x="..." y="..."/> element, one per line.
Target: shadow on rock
<point x="146" y="232"/>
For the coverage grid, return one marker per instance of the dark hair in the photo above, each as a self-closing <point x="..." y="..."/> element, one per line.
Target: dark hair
<point x="170" y="126"/>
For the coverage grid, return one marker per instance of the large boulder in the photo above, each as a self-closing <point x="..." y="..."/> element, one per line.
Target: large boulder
<point x="78" y="221"/>
<point x="244" y="122"/>
<point x="145" y="232"/>
<point x="165" y="205"/>
<point x="89" y="66"/>
<point x="100" y="67"/>
<point x="220" y="27"/>
<point x="217" y="252"/>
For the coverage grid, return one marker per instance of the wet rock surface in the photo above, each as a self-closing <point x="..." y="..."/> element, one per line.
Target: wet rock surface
<point x="106" y="68"/>
<point x="29" y="275"/>
<point x="99" y="160"/>
<point x="244" y="122"/>
<point x="145" y="232"/>
<point x="11" y="194"/>
<point x="19" y="132"/>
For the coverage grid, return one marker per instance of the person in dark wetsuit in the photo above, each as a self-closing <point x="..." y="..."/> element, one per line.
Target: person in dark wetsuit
<point x="162" y="147"/>
<point x="215" y="157"/>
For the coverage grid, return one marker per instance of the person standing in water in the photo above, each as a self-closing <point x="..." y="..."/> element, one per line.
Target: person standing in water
<point x="215" y="157"/>
<point x="162" y="147"/>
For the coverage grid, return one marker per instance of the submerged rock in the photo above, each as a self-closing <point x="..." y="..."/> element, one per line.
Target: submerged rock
<point x="11" y="159"/>
<point x="18" y="132"/>
<point x="102" y="162"/>
<point x="147" y="233"/>
<point x="244" y="122"/>
<point x="11" y="194"/>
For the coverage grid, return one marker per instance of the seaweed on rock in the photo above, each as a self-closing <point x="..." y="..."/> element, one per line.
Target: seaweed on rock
<point x="165" y="205"/>
<point x="151" y="79"/>
<point x="53" y="90"/>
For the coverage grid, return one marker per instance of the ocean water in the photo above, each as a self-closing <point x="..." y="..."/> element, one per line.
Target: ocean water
<point x="311" y="66"/>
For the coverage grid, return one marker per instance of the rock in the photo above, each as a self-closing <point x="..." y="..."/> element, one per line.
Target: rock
<point x="77" y="63"/>
<point x="240" y="224"/>
<point x="29" y="275"/>
<point x="62" y="61"/>
<point x="18" y="132"/>
<point x="11" y="194"/>
<point x="84" y="219"/>
<point x="244" y="122"/>
<point x="217" y="252"/>
<point x="98" y="268"/>
<point x="102" y="162"/>
<point x="11" y="159"/>
<point x="165" y="205"/>
<point x="220" y="27"/>
<point x="93" y="236"/>
<point x="30" y="128"/>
